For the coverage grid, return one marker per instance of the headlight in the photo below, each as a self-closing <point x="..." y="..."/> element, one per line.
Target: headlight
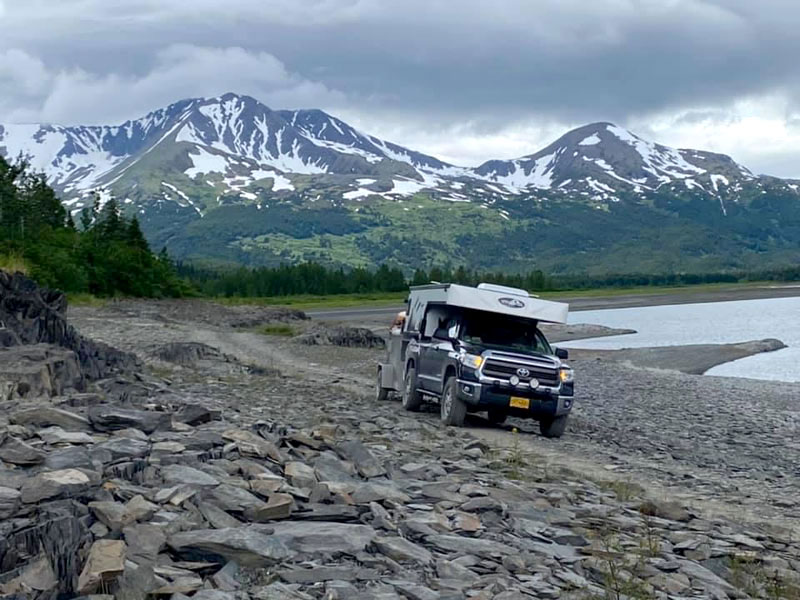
<point x="566" y="374"/>
<point x="471" y="360"/>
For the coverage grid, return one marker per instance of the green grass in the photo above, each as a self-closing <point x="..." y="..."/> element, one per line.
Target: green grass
<point x="308" y="301"/>
<point x="82" y="299"/>
<point x="277" y="329"/>
<point x="13" y="263"/>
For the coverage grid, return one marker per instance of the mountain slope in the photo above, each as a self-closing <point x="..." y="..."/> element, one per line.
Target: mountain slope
<point x="230" y="179"/>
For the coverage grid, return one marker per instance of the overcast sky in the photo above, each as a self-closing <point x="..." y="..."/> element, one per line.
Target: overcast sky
<point x="465" y="80"/>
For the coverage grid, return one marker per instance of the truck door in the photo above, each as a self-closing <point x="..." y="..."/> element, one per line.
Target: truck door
<point x="435" y="355"/>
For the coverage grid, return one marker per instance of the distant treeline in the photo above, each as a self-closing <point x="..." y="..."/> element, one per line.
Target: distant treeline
<point x="318" y="280"/>
<point x="107" y="255"/>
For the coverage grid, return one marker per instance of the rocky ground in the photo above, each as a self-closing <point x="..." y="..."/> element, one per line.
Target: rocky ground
<point x="239" y="465"/>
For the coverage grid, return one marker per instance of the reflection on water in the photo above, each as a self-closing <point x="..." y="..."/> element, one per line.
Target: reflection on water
<point x="712" y="323"/>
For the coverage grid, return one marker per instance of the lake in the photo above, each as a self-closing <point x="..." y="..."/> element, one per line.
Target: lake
<point x="711" y="323"/>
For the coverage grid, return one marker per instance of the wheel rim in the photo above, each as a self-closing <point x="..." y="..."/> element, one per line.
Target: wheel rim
<point x="447" y="402"/>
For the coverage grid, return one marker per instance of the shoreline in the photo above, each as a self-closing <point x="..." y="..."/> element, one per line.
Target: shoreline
<point x="691" y="359"/>
<point x="370" y="313"/>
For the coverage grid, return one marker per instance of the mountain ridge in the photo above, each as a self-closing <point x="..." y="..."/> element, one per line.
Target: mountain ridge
<point x="287" y="185"/>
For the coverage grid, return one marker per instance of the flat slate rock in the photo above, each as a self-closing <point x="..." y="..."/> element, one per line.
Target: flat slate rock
<point x="181" y="474"/>
<point x="113" y="418"/>
<point x="323" y="537"/>
<point x="48" y="416"/>
<point x="54" y="484"/>
<point x="366" y="463"/>
<point x="244" y="545"/>
<point x="17" y="452"/>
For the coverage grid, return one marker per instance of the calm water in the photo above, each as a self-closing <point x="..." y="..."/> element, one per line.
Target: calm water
<point x="713" y="323"/>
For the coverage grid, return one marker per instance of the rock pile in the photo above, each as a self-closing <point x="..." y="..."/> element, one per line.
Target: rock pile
<point x="40" y="354"/>
<point x="340" y="335"/>
<point x="170" y="499"/>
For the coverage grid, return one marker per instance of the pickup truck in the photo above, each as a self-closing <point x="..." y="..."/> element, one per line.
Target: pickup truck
<point x="480" y="349"/>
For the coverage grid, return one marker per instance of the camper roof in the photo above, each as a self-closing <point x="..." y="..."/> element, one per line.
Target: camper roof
<point x="490" y="298"/>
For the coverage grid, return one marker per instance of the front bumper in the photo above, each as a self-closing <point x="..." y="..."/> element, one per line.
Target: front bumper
<point x="544" y="401"/>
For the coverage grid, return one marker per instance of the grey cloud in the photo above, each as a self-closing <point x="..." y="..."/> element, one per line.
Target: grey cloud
<point x="470" y="66"/>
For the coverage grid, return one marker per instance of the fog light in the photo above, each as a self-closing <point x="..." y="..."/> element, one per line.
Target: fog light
<point x="534" y="384"/>
<point x="514" y="380"/>
<point x="468" y="389"/>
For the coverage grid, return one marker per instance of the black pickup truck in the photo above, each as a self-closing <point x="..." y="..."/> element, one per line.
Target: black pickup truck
<point x="474" y="360"/>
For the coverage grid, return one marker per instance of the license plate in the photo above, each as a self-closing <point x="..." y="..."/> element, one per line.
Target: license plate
<point x="517" y="402"/>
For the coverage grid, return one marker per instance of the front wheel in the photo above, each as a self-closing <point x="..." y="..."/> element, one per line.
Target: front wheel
<point x="453" y="409"/>
<point x="381" y="393"/>
<point x="553" y="428"/>
<point x="412" y="399"/>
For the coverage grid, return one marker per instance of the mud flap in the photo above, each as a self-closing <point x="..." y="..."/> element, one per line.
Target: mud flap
<point x="388" y="379"/>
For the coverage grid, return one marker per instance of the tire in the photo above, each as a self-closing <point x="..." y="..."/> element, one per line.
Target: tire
<point x="553" y="428"/>
<point x="412" y="399"/>
<point x="497" y="416"/>
<point x="381" y="393"/>
<point x="453" y="409"/>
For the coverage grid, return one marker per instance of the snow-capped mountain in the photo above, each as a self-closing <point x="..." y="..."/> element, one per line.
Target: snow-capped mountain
<point x="270" y="185"/>
<point x="233" y="142"/>
<point x="606" y="160"/>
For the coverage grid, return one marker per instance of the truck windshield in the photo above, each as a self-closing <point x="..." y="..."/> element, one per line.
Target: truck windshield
<point x="501" y="333"/>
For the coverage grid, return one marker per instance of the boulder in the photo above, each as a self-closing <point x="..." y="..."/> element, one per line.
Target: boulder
<point x="54" y="484"/>
<point x="17" y="452"/>
<point x="181" y="474"/>
<point x="323" y="537"/>
<point x="123" y="448"/>
<point x="69" y="458"/>
<point x="279" y="506"/>
<point x="366" y="463"/>
<point x="144" y="542"/>
<point x="35" y="315"/>
<point x="353" y="337"/>
<point x="106" y="562"/>
<point x="48" y="416"/>
<point x="113" y="515"/>
<point x="56" y="436"/>
<point x="37" y="371"/>
<point x="244" y="545"/>
<point x="402" y="550"/>
<point x="112" y="418"/>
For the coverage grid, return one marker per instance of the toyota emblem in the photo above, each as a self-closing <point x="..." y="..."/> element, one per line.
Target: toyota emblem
<point x="523" y="372"/>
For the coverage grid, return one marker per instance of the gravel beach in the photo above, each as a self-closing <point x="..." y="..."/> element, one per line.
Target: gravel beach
<point x="219" y="463"/>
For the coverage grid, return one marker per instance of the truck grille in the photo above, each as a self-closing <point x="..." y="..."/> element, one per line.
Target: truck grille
<point x="503" y="370"/>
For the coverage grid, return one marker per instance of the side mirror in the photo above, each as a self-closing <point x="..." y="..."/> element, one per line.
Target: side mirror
<point x="562" y="353"/>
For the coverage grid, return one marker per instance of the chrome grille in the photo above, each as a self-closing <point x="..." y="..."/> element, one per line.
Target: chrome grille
<point x="497" y="369"/>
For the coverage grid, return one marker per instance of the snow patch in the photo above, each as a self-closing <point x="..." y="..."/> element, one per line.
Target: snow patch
<point x="205" y="162"/>
<point x="590" y="141"/>
<point x="279" y="182"/>
<point x="716" y="180"/>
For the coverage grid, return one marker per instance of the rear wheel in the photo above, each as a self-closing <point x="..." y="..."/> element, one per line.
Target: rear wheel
<point x="497" y="416"/>
<point x="453" y="409"/>
<point x="412" y="399"/>
<point x="553" y="428"/>
<point x="381" y="393"/>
